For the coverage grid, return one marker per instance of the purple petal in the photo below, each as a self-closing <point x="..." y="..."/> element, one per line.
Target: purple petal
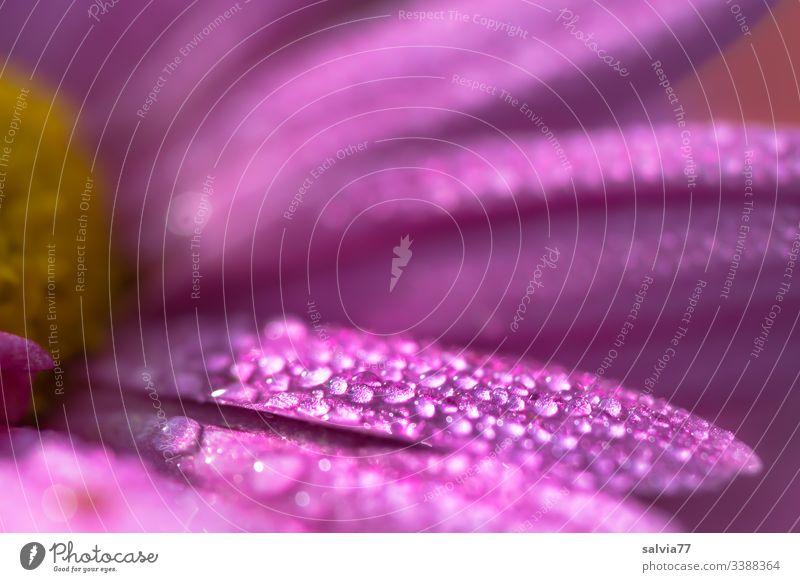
<point x="329" y="480"/>
<point x="20" y="361"/>
<point x="576" y="427"/>
<point x="237" y="111"/>
<point x="630" y="229"/>
<point x="52" y="482"/>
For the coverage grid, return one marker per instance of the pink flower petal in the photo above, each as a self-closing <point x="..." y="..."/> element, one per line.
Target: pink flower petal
<point x="575" y="427"/>
<point x="330" y="480"/>
<point x="577" y="432"/>
<point x="258" y="111"/>
<point x="54" y="483"/>
<point x="20" y="361"/>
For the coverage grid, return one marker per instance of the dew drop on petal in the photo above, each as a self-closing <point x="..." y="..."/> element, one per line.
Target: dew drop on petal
<point x="238" y="393"/>
<point x="434" y="381"/>
<point x="611" y="406"/>
<point x="314" y="407"/>
<point x="337" y="385"/>
<point x="616" y="430"/>
<point x="368" y="379"/>
<point x="397" y="393"/>
<point x="579" y="407"/>
<point x="483" y="394"/>
<point x="425" y="408"/>
<point x="361" y="393"/>
<point x="499" y="396"/>
<point x="313" y="377"/>
<point x="243" y="371"/>
<point x="283" y="400"/>
<point x="545" y="406"/>
<point x="461" y="427"/>
<point x="179" y="435"/>
<point x="271" y="364"/>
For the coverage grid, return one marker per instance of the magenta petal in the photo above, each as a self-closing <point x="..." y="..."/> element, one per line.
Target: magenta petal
<point x="290" y="472"/>
<point x="20" y="361"/>
<point x="532" y="173"/>
<point x="250" y="97"/>
<point x="381" y="489"/>
<point x="580" y="430"/>
<point x="52" y="482"/>
<point x="483" y="211"/>
<point x="17" y="353"/>
<point x="626" y="228"/>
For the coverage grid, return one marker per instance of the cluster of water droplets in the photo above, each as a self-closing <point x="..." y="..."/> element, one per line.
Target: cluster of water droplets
<point x="341" y="481"/>
<point x="595" y="433"/>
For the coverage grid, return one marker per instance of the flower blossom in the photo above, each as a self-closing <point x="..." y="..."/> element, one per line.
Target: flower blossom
<point x="589" y="331"/>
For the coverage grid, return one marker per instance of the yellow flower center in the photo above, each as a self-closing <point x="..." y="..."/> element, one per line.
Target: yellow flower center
<point x="53" y="233"/>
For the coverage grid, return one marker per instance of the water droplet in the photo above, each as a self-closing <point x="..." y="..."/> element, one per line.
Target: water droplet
<point x="426" y="408"/>
<point x="434" y="381"/>
<point x="302" y="498"/>
<point x="457" y="363"/>
<point x="545" y="406"/>
<point x="422" y="366"/>
<point x="368" y="379"/>
<point x="313" y="377"/>
<point x="278" y="382"/>
<point x="579" y="407"/>
<point x="237" y="393"/>
<point x="483" y="394"/>
<point x="561" y="385"/>
<point x="461" y="427"/>
<point x="289" y="329"/>
<point x="616" y="430"/>
<point x="180" y="435"/>
<point x="499" y="396"/>
<point x="541" y="435"/>
<point x="271" y="364"/>
<point x="284" y="401"/>
<point x="243" y="371"/>
<point x="567" y="442"/>
<point x="396" y="364"/>
<point x="465" y="382"/>
<point x="361" y="393"/>
<point x="611" y="406"/>
<point x="513" y="429"/>
<point x="527" y="381"/>
<point x="314" y="407"/>
<point x="397" y="393"/>
<point x="682" y="454"/>
<point x="407" y="346"/>
<point x="337" y="385"/>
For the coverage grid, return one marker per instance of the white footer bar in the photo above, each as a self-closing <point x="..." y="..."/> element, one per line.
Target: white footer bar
<point x="400" y="557"/>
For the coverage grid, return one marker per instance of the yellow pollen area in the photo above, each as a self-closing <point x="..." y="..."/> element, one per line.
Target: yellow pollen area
<point x="53" y="230"/>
